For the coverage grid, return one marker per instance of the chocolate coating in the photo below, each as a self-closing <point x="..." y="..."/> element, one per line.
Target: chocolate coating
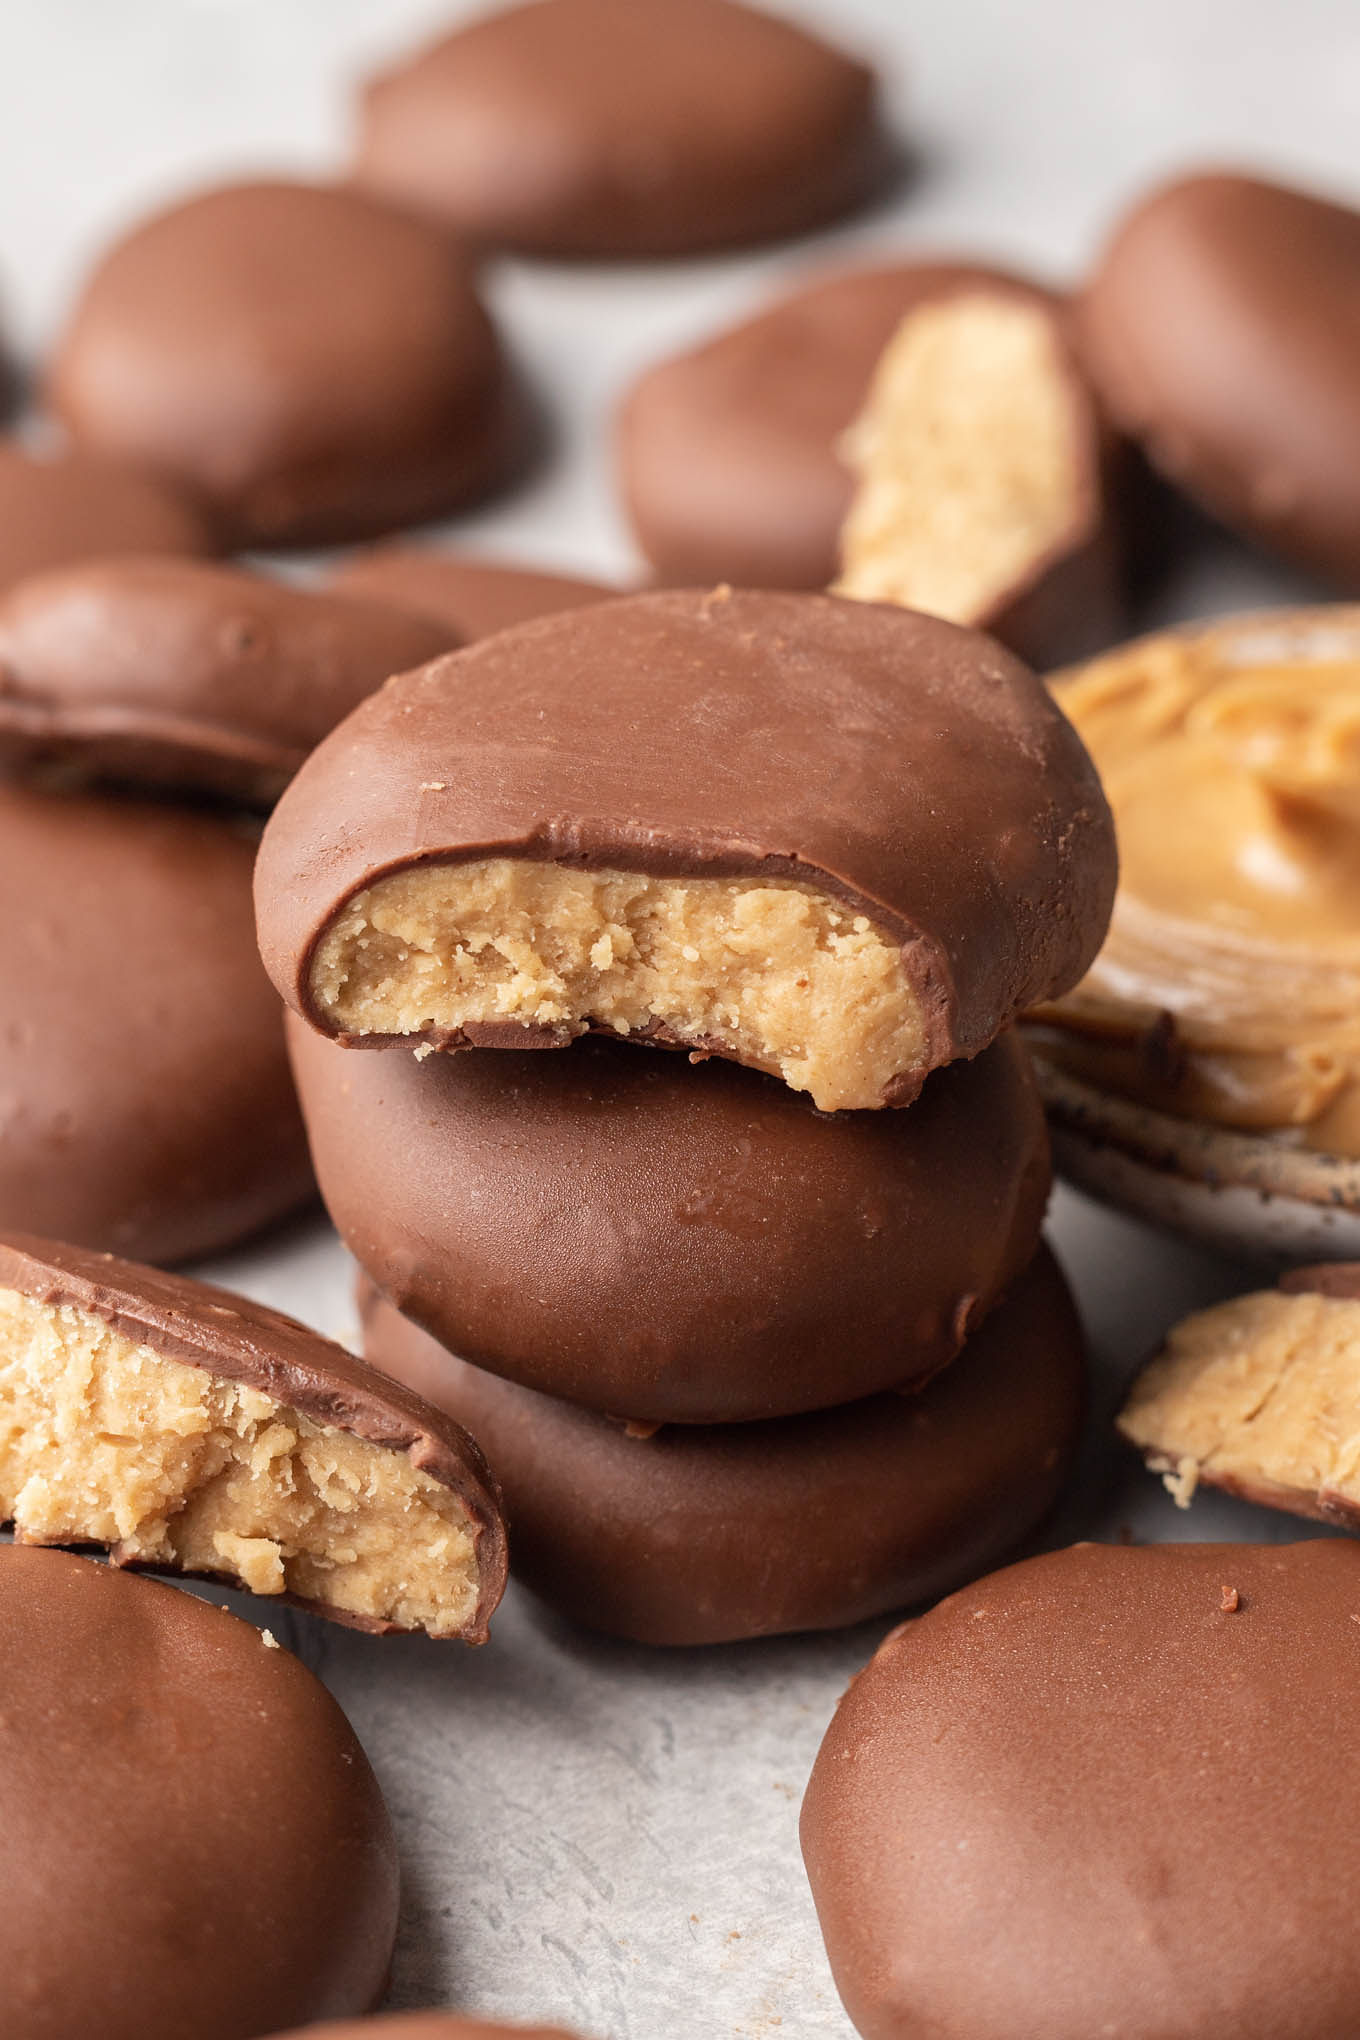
<point x="474" y="597"/>
<point x="1110" y="1790"/>
<point x="247" y="1342"/>
<point x="191" y="1838"/>
<point x="145" y="1100"/>
<point x="624" y="127"/>
<point x="1324" y="1278"/>
<point x="676" y="1243"/>
<point x="312" y="362"/>
<point x="1221" y="325"/>
<point x="705" y="1535"/>
<point x="64" y="507"/>
<point x="171" y="673"/>
<point x="727" y="453"/>
<point x="910" y="768"/>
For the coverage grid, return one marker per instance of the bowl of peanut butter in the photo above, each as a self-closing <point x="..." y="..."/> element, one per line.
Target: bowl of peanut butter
<point x="1205" y="1074"/>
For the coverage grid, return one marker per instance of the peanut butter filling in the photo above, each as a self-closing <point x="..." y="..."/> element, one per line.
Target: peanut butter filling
<point x="1228" y="988"/>
<point x="104" y="1441"/>
<point x="1260" y="1395"/>
<point x="967" y="458"/>
<point x="789" y="980"/>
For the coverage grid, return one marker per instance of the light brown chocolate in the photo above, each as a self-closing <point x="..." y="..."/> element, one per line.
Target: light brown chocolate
<point x="64" y="506"/>
<point x="679" y="1244"/>
<point x="707" y="1534"/>
<point x="624" y="127"/>
<point x="1110" y="1790"/>
<point x="145" y="1100"/>
<point x="313" y="363"/>
<point x="474" y="597"/>
<point x="172" y="673"/>
<point x="1221" y="328"/>
<point x="191" y="1838"/>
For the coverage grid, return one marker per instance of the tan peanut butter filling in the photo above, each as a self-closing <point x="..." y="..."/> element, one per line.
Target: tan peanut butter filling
<point x="1260" y="1395"/>
<point x="1228" y="988"/>
<point x="966" y="454"/>
<point x="789" y="980"/>
<point x="104" y="1441"/>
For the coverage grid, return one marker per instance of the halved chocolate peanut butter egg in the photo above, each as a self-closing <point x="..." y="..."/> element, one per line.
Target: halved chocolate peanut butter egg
<point x="188" y="1430"/>
<point x="989" y="480"/>
<point x="1261" y="1396"/>
<point x="979" y="458"/>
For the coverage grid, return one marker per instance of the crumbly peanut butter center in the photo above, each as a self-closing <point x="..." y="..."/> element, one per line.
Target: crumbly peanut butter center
<point x="1231" y="758"/>
<point x="1262" y="1395"/>
<point x="105" y="1441"/>
<point x="966" y="458"/>
<point x="789" y="980"/>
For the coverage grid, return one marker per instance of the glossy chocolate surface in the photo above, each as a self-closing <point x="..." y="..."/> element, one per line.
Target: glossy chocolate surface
<point x="657" y="1240"/>
<point x="1050" y="1804"/>
<point x="191" y="1839"/>
<point x="179" y="674"/>
<point x="64" y="507"/>
<point x="911" y="769"/>
<point x="727" y="453"/>
<point x="313" y="363"/>
<point x="145" y="1099"/>
<point x="1221" y="325"/>
<point x="474" y="597"/>
<point x="708" y="1534"/>
<point x="624" y="127"/>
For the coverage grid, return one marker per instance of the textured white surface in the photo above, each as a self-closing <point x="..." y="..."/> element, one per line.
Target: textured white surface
<point x="593" y="1833"/>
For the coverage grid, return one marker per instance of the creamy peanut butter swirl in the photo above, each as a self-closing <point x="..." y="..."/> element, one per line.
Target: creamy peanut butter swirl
<point x="1228" y="988"/>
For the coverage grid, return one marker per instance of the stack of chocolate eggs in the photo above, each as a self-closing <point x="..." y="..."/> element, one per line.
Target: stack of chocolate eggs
<point x="729" y="1207"/>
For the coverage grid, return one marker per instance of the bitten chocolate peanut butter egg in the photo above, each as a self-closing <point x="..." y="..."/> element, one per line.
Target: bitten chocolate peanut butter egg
<point x="193" y="1431"/>
<point x="708" y="1534"/>
<point x="833" y="840"/>
<point x="1111" y="1790"/>
<point x="1221" y="326"/>
<point x="59" y="508"/>
<point x="677" y="1244"/>
<point x="177" y="674"/>
<point x="474" y="597"/>
<point x="314" y="364"/>
<point x="191" y="1838"/>
<point x="950" y="391"/>
<point x="624" y="127"/>
<point x="145" y="1100"/>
